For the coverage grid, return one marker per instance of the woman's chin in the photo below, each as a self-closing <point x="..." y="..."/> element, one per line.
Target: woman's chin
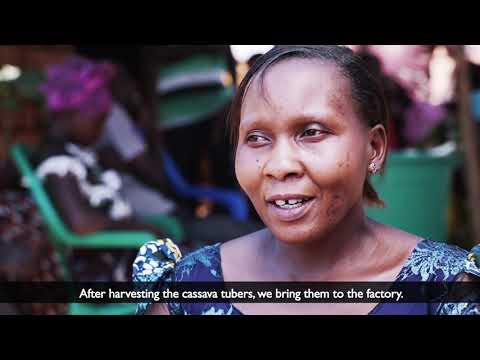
<point x="297" y="235"/>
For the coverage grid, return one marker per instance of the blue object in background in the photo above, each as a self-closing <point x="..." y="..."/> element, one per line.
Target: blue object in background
<point x="475" y="104"/>
<point x="234" y="201"/>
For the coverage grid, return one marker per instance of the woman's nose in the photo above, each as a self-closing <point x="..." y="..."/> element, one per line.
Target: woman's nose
<point x="283" y="162"/>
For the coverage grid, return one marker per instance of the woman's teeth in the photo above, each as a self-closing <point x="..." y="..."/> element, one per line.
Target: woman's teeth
<point x="290" y="203"/>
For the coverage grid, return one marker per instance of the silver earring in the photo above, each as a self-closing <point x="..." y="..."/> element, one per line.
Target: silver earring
<point x="373" y="168"/>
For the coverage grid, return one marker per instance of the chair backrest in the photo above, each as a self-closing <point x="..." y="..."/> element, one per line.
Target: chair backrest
<point x="193" y="72"/>
<point x="235" y="201"/>
<point x="193" y="89"/>
<point x="52" y="220"/>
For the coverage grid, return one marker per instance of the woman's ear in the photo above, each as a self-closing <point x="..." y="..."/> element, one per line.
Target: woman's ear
<point x="378" y="145"/>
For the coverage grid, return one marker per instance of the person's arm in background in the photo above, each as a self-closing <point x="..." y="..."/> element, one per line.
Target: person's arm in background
<point x="77" y="213"/>
<point x="143" y="166"/>
<point x="126" y="149"/>
<point x="150" y="172"/>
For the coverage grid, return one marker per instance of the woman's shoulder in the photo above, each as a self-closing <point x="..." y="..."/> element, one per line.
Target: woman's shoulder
<point x="203" y="264"/>
<point x="436" y="261"/>
<point x="161" y="260"/>
<point x="155" y="261"/>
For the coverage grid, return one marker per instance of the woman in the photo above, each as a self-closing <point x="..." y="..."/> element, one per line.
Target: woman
<point x="93" y="198"/>
<point x="88" y="196"/>
<point x="309" y="128"/>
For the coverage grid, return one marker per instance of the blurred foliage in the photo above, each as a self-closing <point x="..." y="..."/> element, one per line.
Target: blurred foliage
<point x="8" y="100"/>
<point x="26" y="86"/>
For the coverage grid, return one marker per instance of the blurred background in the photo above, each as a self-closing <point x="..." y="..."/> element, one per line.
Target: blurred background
<point x="152" y="159"/>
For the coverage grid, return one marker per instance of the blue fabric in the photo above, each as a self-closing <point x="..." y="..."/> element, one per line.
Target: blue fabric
<point x="429" y="261"/>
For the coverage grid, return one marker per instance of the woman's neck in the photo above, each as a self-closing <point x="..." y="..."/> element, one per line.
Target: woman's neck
<point x="344" y="247"/>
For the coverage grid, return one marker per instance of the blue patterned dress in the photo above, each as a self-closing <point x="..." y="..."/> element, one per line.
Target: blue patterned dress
<point x="160" y="261"/>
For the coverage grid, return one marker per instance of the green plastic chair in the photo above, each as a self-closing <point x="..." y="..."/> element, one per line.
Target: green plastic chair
<point x="416" y="190"/>
<point x="191" y="90"/>
<point x="63" y="239"/>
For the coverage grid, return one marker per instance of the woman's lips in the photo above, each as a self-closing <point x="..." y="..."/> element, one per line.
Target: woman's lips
<point x="292" y="214"/>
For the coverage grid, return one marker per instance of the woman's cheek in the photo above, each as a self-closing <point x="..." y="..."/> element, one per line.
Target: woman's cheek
<point x="248" y="170"/>
<point x="340" y="173"/>
<point x="327" y="168"/>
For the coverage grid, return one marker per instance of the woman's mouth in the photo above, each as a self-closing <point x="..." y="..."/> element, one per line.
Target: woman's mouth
<point x="289" y="209"/>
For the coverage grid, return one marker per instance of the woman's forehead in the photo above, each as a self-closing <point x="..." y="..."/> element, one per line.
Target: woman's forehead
<point x="297" y="88"/>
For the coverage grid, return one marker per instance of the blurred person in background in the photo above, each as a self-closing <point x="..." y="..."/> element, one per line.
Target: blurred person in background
<point x="407" y="64"/>
<point x="79" y="102"/>
<point x="87" y="196"/>
<point x="86" y="118"/>
<point x="200" y="148"/>
<point x="404" y="70"/>
<point x="124" y="146"/>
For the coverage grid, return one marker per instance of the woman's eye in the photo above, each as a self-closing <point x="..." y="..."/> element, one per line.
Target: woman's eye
<point x="256" y="139"/>
<point x="312" y="132"/>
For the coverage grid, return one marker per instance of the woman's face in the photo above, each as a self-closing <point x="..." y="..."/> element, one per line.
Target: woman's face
<point x="86" y="128"/>
<point x="303" y="152"/>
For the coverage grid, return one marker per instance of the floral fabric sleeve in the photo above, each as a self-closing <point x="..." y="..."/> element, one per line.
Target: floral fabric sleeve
<point x="154" y="265"/>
